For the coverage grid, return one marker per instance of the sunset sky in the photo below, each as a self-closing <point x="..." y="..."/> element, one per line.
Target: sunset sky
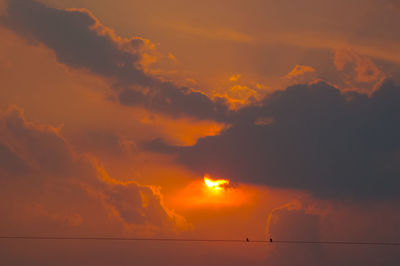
<point x="213" y="119"/>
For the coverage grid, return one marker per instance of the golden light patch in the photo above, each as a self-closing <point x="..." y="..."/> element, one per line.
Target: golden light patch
<point x="172" y="57"/>
<point x="234" y="77"/>
<point x="300" y="70"/>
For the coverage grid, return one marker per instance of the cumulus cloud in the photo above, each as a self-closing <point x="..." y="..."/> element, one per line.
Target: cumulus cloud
<point x="319" y="139"/>
<point x="40" y="157"/>
<point x="292" y="221"/>
<point x="80" y="41"/>
<point x="37" y="147"/>
<point x="307" y="219"/>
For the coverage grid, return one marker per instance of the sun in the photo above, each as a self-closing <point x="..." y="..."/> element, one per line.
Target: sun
<point x="216" y="184"/>
<point x="209" y="192"/>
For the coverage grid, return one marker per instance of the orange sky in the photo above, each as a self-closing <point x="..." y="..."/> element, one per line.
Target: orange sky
<point x="177" y="119"/>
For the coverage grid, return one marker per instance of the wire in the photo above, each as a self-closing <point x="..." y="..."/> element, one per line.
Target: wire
<point x="119" y="239"/>
<point x="333" y="242"/>
<point x="299" y="242"/>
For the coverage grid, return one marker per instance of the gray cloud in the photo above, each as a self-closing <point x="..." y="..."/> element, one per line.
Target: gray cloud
<point x="177" y="101"/>
<point x="34" y="147"/>
<point x="38" y="157"/>
<point x="136" y="204"/>
<point x="75" y="37"/>
<point x="296" y="224"/>
<point x="11" y="162"/>
<point x="330" y="143"/>
<point x="79" y="40"/>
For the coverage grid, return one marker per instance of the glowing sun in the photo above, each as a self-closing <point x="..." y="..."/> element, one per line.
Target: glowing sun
<point x="216" y="184"/>
<point x="208" y="192"/>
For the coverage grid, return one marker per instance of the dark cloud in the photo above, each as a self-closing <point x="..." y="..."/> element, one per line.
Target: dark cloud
<point x="178" y="101"/>
<point x="38" y="157"/>
<point x="10" y="162"/>
<point x="290" y="223"/>
<point x="136" y="204"/>
<point x="333" y="221"/>
<point x="330" y="143"/>
<point x="159" y="145"/>
<point x="79" y="40"/>
<point x="38" y="147"/>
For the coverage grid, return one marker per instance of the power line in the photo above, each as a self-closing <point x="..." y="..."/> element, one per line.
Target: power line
<point x="332" y="242"/>
<point x="119" y="239"/>
<point x="298" y="242"/>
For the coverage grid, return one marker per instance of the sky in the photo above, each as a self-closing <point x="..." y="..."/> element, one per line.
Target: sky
<point x="199" y="120"/>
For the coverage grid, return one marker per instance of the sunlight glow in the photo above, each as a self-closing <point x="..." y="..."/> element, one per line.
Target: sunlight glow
<point x="217" y="184"/>
<point x="208" y="192"/>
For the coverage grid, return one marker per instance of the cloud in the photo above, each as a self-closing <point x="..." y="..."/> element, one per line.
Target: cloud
<point x="135" y="204"/>
<point x="235" y="77"/>
<point x="300" y="70"/>
<point x="177" y="102"/>
<point x="308" y="219"/>
<point x="300" y="74"/>
<point x="212" y="33"/>
<point x="105" y="143"/>
<point x="292" y="222"/>
<point x="38" y="156"/>
<point x="38" y="147"/>
<point x="330" y="143"/>
<point x="10" y="162"/>
<point x="80" y="41"/>
<point x="359" y="71"/>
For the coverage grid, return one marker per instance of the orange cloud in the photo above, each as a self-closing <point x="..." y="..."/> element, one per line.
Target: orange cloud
<point x="210" y="33"/>
<point x="183" y="131"/>
<point x="300" y="70"/>
<point x="234" y="78"/>
<point x="48" y="160"/>
<point x="300" y="74"/>
<point x="109" y="56"/>
<point x="358" y="68"/>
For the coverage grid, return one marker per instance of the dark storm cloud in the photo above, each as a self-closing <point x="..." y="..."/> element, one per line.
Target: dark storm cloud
<point x="330" y="143"/>
<point x="72" y="35"/>
<point x="79" y="40"/>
